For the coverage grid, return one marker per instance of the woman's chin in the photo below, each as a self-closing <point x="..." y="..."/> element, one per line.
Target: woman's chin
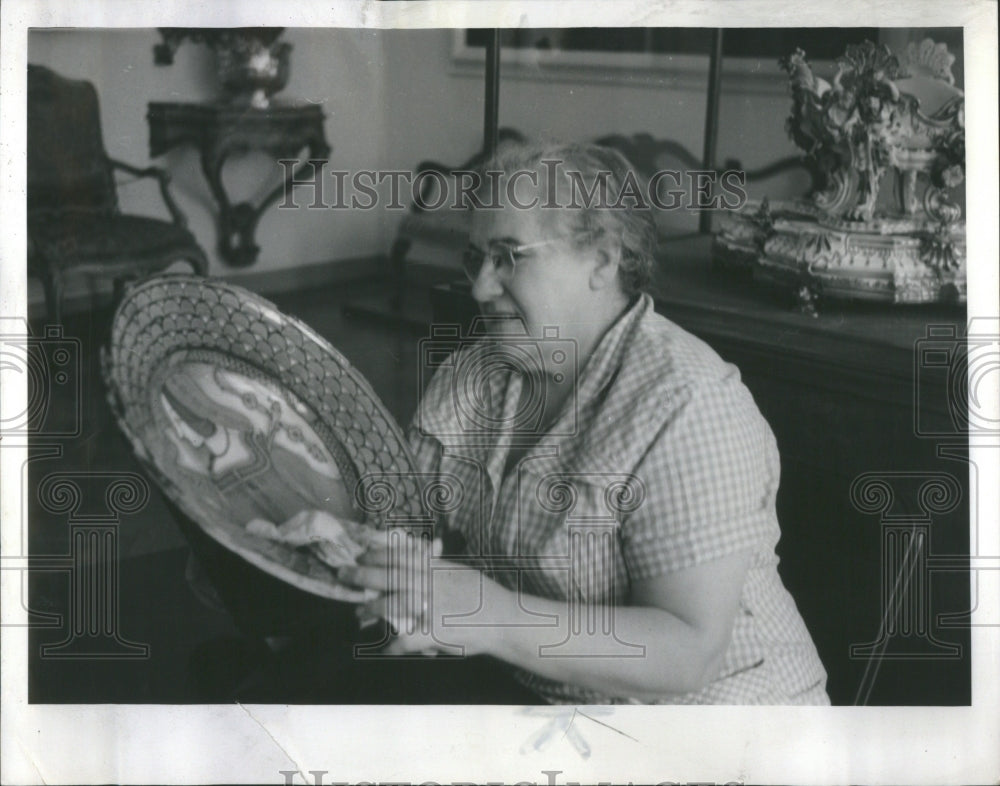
<point x="501" y="324"/>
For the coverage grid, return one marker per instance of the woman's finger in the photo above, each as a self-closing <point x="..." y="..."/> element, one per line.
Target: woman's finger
<point x="366" y="620"/>
<point x="369" y="577"/>
<point x="408" y="644"/>
<point x="373" y="608"/>
<point x="375" y="555"/>
<point x="410" y="550"/>
<point x="407" y="614"/>
<point x="263" y="529"/>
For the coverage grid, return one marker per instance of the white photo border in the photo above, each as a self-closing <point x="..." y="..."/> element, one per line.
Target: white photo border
<point x="253" y="744"/>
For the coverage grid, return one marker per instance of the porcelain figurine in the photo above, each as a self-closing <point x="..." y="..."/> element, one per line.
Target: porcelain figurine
<point x="880" y="119"/>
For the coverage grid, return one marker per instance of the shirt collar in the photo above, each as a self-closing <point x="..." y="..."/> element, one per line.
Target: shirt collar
<point x="444" y="413"/>
<point x="604" y="362"/>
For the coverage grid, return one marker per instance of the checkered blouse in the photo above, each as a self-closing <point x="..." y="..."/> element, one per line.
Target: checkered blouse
<point x="661" y="461"/>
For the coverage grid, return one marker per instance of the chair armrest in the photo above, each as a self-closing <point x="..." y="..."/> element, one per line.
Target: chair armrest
<point x="428" y="166"/>
<point x="163" y="178"/>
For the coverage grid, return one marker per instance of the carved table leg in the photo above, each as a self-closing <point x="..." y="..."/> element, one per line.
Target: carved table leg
<point x="237" y="224"/>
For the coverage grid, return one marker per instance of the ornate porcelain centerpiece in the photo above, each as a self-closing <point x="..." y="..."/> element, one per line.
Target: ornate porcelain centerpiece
<point x="883" y="122"/>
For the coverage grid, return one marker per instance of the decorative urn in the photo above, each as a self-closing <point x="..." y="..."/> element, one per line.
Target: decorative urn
<point x="251" y="63"/>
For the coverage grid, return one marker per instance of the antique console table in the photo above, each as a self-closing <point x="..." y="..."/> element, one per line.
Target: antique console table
<point x="221" y="129"/>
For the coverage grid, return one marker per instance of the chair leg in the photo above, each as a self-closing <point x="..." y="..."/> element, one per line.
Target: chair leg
<point x="198" y="262"/>
<point x="397" y="269"/>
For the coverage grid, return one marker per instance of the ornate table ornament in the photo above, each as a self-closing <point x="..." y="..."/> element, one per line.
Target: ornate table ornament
<point x="242" y="414"/>
<point x="883" y="120"/>
<point x="251" y="63"/>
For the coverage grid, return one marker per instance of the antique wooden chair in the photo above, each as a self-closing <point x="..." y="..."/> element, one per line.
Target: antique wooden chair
<point x="437" y="236"/>
<point x="74" y="220"/>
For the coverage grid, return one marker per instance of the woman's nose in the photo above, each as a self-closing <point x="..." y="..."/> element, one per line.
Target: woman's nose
<point x="486" y="286"/>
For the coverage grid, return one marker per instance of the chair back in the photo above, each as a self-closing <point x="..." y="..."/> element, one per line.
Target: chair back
<point x="68" y="167"/>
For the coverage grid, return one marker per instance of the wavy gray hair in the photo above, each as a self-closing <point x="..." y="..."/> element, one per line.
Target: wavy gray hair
<point x="628" y="226"/>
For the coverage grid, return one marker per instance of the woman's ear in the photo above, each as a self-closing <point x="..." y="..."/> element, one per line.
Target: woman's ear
<point x="605" y="272"/>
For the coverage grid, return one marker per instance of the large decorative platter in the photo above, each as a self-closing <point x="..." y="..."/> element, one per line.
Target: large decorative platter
<point x="240" y="412"/>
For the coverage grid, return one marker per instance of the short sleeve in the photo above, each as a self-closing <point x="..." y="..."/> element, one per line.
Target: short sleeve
<point x="710" y="476"/>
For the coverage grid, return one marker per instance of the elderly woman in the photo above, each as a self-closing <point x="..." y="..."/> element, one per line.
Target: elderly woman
<point x="614" y="533"/>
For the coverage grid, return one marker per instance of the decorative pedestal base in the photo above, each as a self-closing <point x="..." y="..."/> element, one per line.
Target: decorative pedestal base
<point x="890" y="260"/>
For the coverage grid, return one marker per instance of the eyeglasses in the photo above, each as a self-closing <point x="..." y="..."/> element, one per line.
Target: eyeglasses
<point x="502" y="256"/>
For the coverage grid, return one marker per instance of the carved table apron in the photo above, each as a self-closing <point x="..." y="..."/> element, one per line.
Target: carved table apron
<point x="218" y="130"/>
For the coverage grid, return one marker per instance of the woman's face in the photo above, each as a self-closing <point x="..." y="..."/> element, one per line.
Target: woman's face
<point x="551" y="283"/>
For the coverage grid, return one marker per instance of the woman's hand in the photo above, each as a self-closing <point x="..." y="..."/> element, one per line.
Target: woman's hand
<point x="419" y="592"/>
